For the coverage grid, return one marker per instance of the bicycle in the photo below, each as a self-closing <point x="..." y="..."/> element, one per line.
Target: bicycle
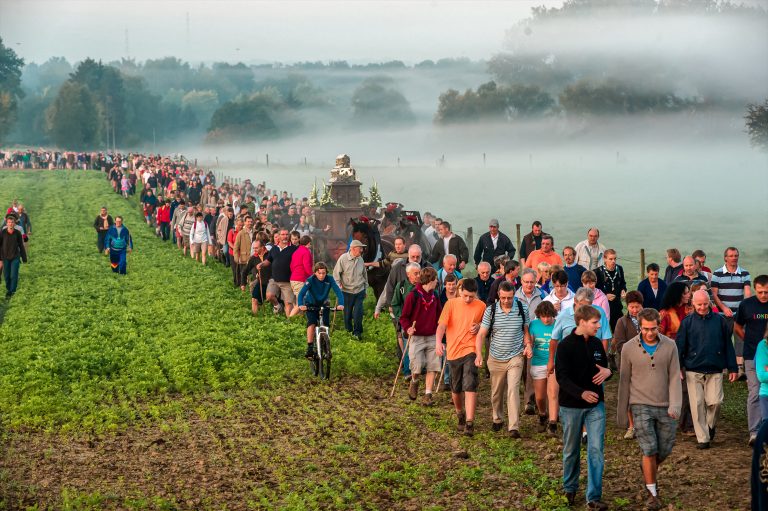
<point x="320" y="363"/>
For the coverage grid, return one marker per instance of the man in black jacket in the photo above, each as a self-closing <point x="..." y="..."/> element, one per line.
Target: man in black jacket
<point x="531" y="242"/>
<point x="492" y="244"/>
<point x="11" y="251"/>
<point x="449" y="243"/>
<point x="581" y="367"/>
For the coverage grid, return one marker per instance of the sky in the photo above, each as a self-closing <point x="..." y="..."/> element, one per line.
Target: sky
<point x="358" y="31"/>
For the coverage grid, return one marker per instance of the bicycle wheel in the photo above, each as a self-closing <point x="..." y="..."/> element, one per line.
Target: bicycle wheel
<point x="325" y="361"/>
<point x="314" y="364"/>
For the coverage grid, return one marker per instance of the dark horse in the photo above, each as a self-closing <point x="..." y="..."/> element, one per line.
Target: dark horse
<point x="366" y="231"/>
<point x="407" y="225"/>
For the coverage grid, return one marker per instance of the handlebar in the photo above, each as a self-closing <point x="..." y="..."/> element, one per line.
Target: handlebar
<point x="319" y="307"/>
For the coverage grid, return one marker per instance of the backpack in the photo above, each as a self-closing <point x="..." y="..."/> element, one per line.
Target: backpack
<point x="519" y="310"/>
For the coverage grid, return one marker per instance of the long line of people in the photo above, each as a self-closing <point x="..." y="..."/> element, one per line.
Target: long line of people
<point x="553" y="324"/>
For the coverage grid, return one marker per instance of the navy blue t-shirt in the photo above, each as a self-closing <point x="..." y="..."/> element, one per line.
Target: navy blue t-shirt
<point x="753" y="316"/>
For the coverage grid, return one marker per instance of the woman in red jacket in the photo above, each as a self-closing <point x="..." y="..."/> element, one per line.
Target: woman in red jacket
<point x="301" y="267"/>
<point x="164" y="220"/>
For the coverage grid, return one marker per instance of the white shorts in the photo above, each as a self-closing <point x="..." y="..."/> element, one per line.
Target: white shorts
<point x="539" y="372"/>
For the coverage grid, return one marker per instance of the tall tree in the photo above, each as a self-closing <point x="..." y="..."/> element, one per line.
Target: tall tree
<point x="73" y="118"/>
<point x="10" y="87"/>
<point x="757" y="124"/>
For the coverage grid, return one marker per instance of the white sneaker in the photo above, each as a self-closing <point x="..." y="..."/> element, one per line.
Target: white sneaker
<point x="630" y="434"/>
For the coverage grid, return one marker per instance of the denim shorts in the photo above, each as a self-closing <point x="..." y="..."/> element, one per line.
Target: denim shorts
<point x="655" y="430"/>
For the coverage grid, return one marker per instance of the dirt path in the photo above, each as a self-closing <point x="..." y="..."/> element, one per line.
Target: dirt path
<point x="344" y="446"/>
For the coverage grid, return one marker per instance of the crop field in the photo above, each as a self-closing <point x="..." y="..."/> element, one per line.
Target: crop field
<point x="160" y="390"/>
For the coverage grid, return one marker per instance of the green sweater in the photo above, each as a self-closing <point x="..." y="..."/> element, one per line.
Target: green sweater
<point x="646" y="380"/>
<point x="398" y="297"/>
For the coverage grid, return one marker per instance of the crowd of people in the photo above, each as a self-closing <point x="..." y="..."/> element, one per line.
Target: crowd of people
<point x="552" y="326"/>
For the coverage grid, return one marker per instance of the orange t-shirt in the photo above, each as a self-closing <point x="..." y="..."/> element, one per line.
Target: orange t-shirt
<point x="537" y="256"/>
<point x="458" y="317"/>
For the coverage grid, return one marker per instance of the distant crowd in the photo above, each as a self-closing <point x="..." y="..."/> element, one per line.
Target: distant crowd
<point x="554" y="325"/>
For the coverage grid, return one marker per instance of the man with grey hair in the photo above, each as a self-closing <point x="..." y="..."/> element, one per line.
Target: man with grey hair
<point x="589" y="253"/>
<point x="564" y="325"/>
<point x="492" y="244"/>
<point x="705" y="350"/>
<point x="484" y="280"/>
<point x="448" y="268"/>
<point x="401" y="291"/>
<point x="531" y="295"/>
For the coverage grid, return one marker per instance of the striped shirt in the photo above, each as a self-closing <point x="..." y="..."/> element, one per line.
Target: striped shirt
<point x="730" y="286"/>
<point x="508" y="333"/>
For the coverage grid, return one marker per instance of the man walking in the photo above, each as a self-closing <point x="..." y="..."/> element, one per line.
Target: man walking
<point x="531" y="241"/>
<point x="11" y="253"/>
<point x="459" y="323"/>
<point x="506" y="321"/>
<point x="118" y="244"/>
<point x="730" y="285"/>
<point x="449" y="243"/>
<point x="750" y="325"/>
<point x="581" y="369"/>
<point x="102" y="224"/>
<point x="589" y="253"/>
<point x="492" y="244"/>
<point x="649" y="387"/>
<point x="279" y="288"/>
<point x="705" y="350"/>
<point x="349" y="273"/>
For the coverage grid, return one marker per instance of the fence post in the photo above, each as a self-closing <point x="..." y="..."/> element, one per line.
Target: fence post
<point x="470" y="241"/>
<point x="267" y="159"/>
<point x="642" y="263"/>
<point x="517" y="226"/>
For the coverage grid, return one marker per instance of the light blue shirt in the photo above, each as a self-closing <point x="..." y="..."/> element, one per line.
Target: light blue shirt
<point x="564" y="325"/>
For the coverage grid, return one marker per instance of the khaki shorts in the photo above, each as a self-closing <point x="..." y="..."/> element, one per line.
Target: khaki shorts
<point x="281" y="290"/>
<point x="296" y="286"/>
<point x="195" y="248"/>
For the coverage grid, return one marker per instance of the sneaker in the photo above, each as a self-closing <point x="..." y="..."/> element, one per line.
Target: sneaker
<point x="570" y="498"/>
<point x="469" y="428"/>
<point x="652" y="503"/>
<point x="630" y="434"/>
<point x="542" y="427"/>
<point x="712" y="432"/>
<point x="530" y="409"/>
<point x="310" y="353"/>
<point x="497" y="426"/>
<point x="552" y="429"/>
<point x="427" y="400"/>
<point x="752" y="439"/>
<point x="413" y="390"/>
<point x="702" y="445"/>
<point x="584" y="439"/>
<point x="742" y="375"/>
<point x="515" y="434"/>
<point x="277" y="309"/>
<point x="597" y="504"/>
<point x="462" y="421"/>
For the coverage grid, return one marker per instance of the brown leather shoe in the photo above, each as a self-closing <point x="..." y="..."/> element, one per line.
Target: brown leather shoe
<point x="413" y="390"/>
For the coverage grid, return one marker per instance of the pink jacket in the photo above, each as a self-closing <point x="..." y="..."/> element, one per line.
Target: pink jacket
<point x="301" y="264"/>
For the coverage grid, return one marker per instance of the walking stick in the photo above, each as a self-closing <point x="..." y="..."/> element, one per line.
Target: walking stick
<point x="442" y="371"/>
<point x="402" y="358"/>
<point x="333" y="321"/>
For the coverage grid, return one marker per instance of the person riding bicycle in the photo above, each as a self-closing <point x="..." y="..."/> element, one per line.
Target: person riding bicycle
<point x="315" y="293"/>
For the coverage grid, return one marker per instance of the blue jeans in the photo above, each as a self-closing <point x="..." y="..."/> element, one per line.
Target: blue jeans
<point x="353" y="311"/>
<point x="11" y="274"/>
<point x="572" y="420"/>
<point x="406" y="358"/>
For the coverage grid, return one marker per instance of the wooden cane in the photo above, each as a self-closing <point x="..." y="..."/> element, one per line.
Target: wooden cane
<point x="442" y="371"/>
<point x="400" y="367"/>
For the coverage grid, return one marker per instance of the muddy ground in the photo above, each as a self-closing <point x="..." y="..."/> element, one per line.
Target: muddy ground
<point x="345" y="445"/>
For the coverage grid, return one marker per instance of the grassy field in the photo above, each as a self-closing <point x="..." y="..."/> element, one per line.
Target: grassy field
<point x="160" y="390"/>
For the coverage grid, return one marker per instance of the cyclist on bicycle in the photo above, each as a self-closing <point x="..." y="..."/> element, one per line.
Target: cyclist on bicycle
<point x="315" y="293"/>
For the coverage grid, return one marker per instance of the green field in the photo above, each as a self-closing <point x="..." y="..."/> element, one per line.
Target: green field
<point x="160" y="390"/>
